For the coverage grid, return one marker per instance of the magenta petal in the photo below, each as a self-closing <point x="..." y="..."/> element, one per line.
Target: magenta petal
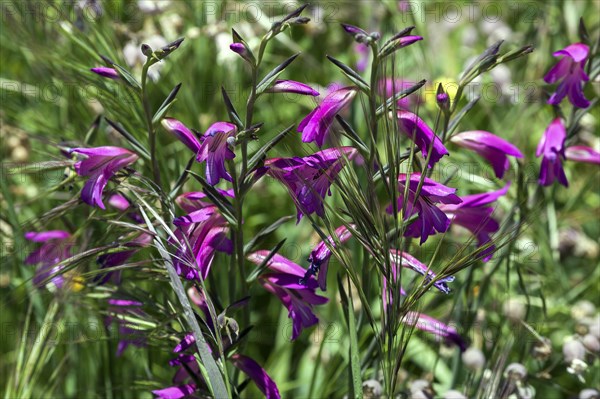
<point x="579" y="153"/>
<point x="262" y="380"/>
<point x="106" y="72"/>
<point x="577" y="51"/>
<point x="415" y="128"/>
<point x="43" y="236"/>
<point x="176" y="392"/>
<point x="551" y="146"/>
<point x="185" y="135"/>
<point x="436" y="327"/>
<point x="291" y="86"/>
<point x="316" y="124"/>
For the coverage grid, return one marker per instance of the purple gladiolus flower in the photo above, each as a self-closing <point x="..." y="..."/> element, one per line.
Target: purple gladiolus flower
<point x="106" y="72"/>
<point x="189" y="372"/>
<point x="474" y="214"/>
<point x="291" y="86"/>
<point x="215" y="150"/>
<point x="430" y="218"/>
<point x="120" y="258"/>
<point x="363" y="56"/>
<point x="176" y="392"/>
<point x="100" y="164"/>
<point x="320" y="255"/>
<point x="129" y="334"/>
<point x="284" y="282"/>
<point x="195" y="200"/>
<point x="185" y="135"/>
<point x="56" y="247"/>
<point x="415" y="128"/>
<point x="570" y="70"/>
<point x="489" y="146"/>
<point x="309" y="179"/>
<point x="206" y="232"/>
<point x="262" y="380"/>
<point x="436" y="327"/>
<point x="404" y="259"/>
<point x="390" y="87"/>
<point x="315" y="126"/>
<point x="580" y="153"/>
<point x="552" y="147"/>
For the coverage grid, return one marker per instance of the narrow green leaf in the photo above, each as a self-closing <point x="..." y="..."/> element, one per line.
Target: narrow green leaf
<point x="348" y="307"/>
<point x="351" y="74"/>
<point x="233" y="115"/>
<point x="93" y="131"/>
<point x="263" y="266"/>
<point x="127" y="76"/>
<point x="271" y="76"/>
<point x="397" y="96"/>
<point x="266" y="231"/>
<point x="166" y="105"/>
<point x="456" y="120"/>
<point x="129" y="137"/>
<point x="261" y="153"/>
<point x="217" y="198"/>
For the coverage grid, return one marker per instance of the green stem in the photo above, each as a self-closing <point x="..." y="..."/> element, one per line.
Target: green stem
<point x="149" y="126"/>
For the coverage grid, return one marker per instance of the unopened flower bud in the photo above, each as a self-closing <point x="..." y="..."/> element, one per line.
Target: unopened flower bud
<point x="106" y="72"/>
<point x="146" y="50"/>
<point x="231" y="141"/>
<point x="573" y="350"/>
<point x="516" y="371"/>
<point x="473" y="359"/>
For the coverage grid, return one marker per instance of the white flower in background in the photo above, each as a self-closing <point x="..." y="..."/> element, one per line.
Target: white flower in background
<point x="153" y="6"/>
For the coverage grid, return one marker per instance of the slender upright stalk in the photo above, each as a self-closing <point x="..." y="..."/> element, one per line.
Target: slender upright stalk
<point x="149" y="125"/>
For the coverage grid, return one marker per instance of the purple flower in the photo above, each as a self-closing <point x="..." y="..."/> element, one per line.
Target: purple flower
<point x="309" y="179"/>
<point x="404" y="259"/>
<point x="552" y="148"/>
<point x="570" y="70"/>
<point x="195" y="200"/>
<point x="436" y="327"/>
<point x="415" y="128"/>
<point x="257" y="374"/>
<point x="363" y="56"/>
<point x="291" y="86"/>
<point x="489" y="146"/>
<point x="215" y="150"/>
<point x="284" y="282"/>
<point x="176" y="392"/>
<point x="106" y="72"/>
<point x="189" y="372"/>
<point x="100" y="164"/>
<point x="390" y="87"/>
<point x="315" y="126"/>
<point x="115" y="259"/>
<point x="474" y="214"/>
<point x="430" y="218"/>
<point x="580" y="153"/>
<point x="212" y="147"/>
<point x="242" y="51"/>
<point x="185" y="135"/>
<point x="320" y="255"/>
<point x="206" y="232"/>
<point x="129" y="334"/>
<point x="56" y="247"/>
